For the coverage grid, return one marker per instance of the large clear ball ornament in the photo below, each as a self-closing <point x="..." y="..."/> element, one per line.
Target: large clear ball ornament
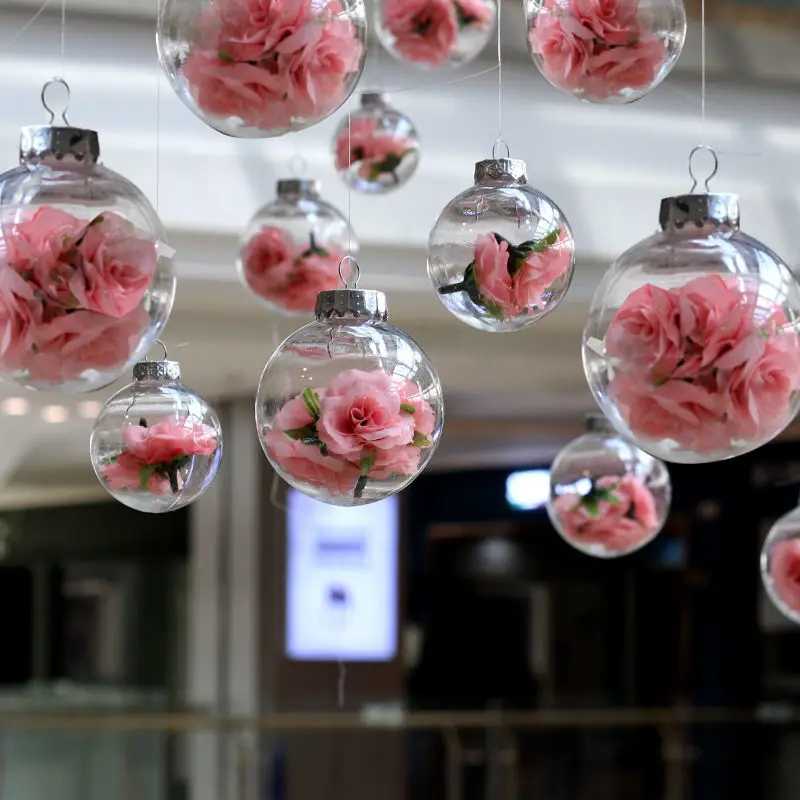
<point x="691" y="347"/>
<point x="349" y="408"/>
<point x="156" y="445"/>
<point x="292" y="248"/>
<point x="435" y="33"/>
<point x="376" y="149"/>
<point x="88" y="279"/>
<point x="254" y="69"/>
<point x="607" y="497"/>
<point x="501" y="255"/>
<point x="780" y="565"/>
<point x="605" y="51"/>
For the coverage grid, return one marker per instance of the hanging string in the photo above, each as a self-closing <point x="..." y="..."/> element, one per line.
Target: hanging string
<point x="28" y="24"/>
<point x="158" y="125"/>
<point x="349" y="167"/>
<point x="421" y="87"/>
<point x="499" y="72"/>
<point x="702" y="71"/>
<point x="340" y="683"/>
<point x="63" y="36"/>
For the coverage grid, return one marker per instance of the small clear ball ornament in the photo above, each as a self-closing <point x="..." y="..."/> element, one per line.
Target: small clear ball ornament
<point x="349" y="409"/>
<point x="607" y="498"/>
<point x="501" y="255"/>
<point x="378" y="151"/>
<point x="88" y="277"/>
<point x="691" y="346"/>
<point x="430" y="34"/>
<point x="260" y="70"/>
<point x="780" y="565"/>
<point x="156" y="445"/>
<point x="614" y="52"/>
<point x="292" y="248"/>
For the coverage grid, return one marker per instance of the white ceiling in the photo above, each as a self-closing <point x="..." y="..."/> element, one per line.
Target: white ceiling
<point x="606" y="167"/>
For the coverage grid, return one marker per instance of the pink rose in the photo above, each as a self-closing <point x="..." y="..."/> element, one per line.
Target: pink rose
<point x="125" y="472"/>
<point x="114" y="266"/>
<point x="319" y="58"/>
<point x="614" y="22"/>
<point x="79" y="341"/>
<point x="311" y="275"/>
<point x="424" y="31"/>
<point x="168" y="440"/>
<point x="539" y="272"/>
<point x="362" y="411"/>
<point x="411" y="395"/>
<point x="474" y="12"/>
<point x="36" y="242"/>
<point x="398" y="461"/>
<point x="784" y="570"/>
<point x="645" y="332"/>
<point x="306" y="464"/>
<point x="352" y="146"/>
<point x="19" y="316"/>
<point x="294" y="414"/>
<point x="634" y="66"/>
<point x="636" y="499"/>
<point x="491" y="274"/>
<point x="267" y="261"/>
<point x="565" y="53"/>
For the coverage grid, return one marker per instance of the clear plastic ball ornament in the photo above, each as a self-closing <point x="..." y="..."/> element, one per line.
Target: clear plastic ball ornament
<point x="156" y="445"/>
<point x="780" y="565"/>
<point x="607" y="497"/>
<point x="88" y="277"/>
<point x="691" y="346"/>
<point x="435" y="33"/>
<point x="349" y="408"/>
<point x="612" y="52"/>
<point x="377" y="149"/>
<point x="501" y="255"/>
<point x="258" y="70"/>
<point x="292" y="248"/>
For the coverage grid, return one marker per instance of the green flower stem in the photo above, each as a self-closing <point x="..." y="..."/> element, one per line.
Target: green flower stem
<point x="454" y="288"/>
<point x="360" y="486"/>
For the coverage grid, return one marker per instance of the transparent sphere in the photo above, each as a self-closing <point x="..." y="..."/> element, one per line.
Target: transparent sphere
<point x="435" y="33"/>
<point x="691" y="346"/>
<point x="156" y="445"/>
<point x="609" y="52"/>
<point x="780" y="565"/>
<point x="256" y="70"/>
<point x="349" y="411"/>
<point x="608" y="498"/>
<point x="379" y="150"/>
<point x="501" y="254"/>
<point x="89" y="281"/>
<point x="292" y="248"/>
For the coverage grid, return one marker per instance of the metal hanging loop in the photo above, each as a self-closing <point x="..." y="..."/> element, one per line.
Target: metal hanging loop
<point x="356" y="272"/>
<point x="163" y="347"/>
<point x="498" y="143"/>
<point x="699" y="149"/>
<point x="50" y="106"/>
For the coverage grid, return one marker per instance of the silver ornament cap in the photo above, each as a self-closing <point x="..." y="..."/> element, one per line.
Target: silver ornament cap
<point x="700" y="213"/>
<point x="294" y="188"/>
<point x="501" y="172"/>
<point x="158" y="371"/>
<point x="351" y="305"/>
<point x="598" y="423"/>
<point x="57" y="146"/>
<point x="373" y="100"/>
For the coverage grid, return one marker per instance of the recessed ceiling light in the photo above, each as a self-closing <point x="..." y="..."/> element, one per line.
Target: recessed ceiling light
<point x="55" y="414"/>
<point x="15" y="406"/>
<point x="89" y="409"/>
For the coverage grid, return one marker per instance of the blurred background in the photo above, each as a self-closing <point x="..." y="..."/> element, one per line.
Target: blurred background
<point x="204" y="654"/>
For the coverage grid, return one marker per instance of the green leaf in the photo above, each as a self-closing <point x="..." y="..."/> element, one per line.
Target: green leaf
<point x="223" y="56"/>
<point x="607" y="495"/>
<point x="389" y="164"/>
<point x="591" y="504"/>
<point x="306" y="432"/>
<point x="408" y="408"/>
<point x="464" y="19"/>
<point x="145" y="473"/>
<point x="548" y="241"/>
<point x="98" y="220"/>
<point x="420" y="440"/>
<point x="367" y="462"/>
<point x="493" y="310"/>
<point x="311" y="401"/>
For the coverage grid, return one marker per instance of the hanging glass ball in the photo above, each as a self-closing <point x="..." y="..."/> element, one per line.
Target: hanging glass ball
<point x="257" y="69"/>
<point x="501" y="254"/>
<point x="349" y="409"/>
<point x="378" y="150"/>
<point x="156" y="444"/>
<point x="691" y="348"/>
<point x="607" y="498"/>
<point x="292" y="248"/>
<point x="87" y="279"/>
<point x="780" y="565"/>
<point x="435" y="33"/>
<point x="606" y="51"/>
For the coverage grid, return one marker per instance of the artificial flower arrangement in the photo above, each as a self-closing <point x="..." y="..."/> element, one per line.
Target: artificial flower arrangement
<point x="618" y="514"/>
<point x="375" y="153"/>
<point x="428" y="31"/>
<point x="71" y="292"/>
<point x="596" y="48"/>
<point x="268" y="63"/>
<point x="703" y="365"/>
<point x="784" y="572"/>
<point x="363" y="426"/>
<point x="287" y="274"/>
<point x="159" y="458"/>
<point x="507" y="280"/>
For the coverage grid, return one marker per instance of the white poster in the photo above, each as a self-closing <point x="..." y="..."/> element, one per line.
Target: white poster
<point x="341" y="582"/>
